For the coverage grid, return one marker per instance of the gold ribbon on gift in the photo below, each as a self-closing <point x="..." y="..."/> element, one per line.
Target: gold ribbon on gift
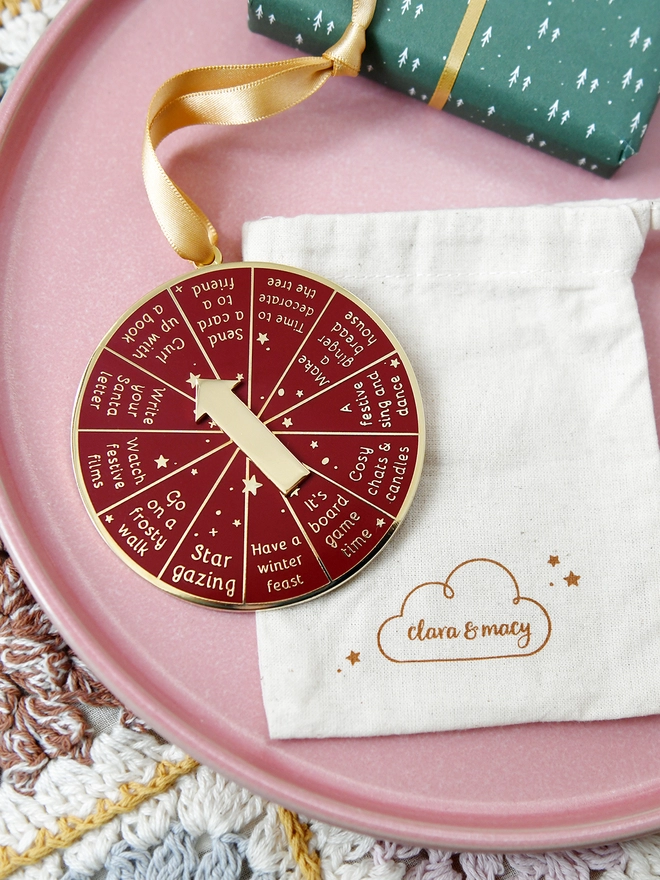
<point x="238" y="94"/>
<point x="457" y="53"/>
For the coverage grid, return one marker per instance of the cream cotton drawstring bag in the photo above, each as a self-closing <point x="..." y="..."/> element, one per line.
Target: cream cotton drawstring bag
<point x="524" y="584"/>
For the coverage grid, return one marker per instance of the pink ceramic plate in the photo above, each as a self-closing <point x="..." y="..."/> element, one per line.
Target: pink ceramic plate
<point x="79" y="245"/>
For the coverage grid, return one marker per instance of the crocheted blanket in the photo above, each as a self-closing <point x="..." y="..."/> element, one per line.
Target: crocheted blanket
<point x="88" y="791"/>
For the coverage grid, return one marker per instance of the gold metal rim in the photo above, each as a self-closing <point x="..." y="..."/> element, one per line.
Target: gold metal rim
<point x="333" y="584"/>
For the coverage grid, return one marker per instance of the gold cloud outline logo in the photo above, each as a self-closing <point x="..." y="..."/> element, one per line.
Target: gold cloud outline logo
<point x="449" y="591"/>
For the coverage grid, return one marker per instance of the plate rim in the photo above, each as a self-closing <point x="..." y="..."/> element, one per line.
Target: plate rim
<point x="467" y="837"/>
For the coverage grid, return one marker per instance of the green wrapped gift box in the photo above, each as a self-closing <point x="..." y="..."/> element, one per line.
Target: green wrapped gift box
<point x="578" y="79"/>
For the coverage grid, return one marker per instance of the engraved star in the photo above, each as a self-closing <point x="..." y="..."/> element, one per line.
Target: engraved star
<point x="354" y="657"/>
<point x="287" y="422"/>
<point x="194" y="379"/>
<point x="380" y="523"/>
<point x="572" y="579"/>
<point x="161" y="461"/>
<point x="314" y="444"/>
<point x="299" y="393"/>
<point x="194" y="472"/>
<point x="237" y="522"/>
<point x="395" y="363"/>
<point x="240" y="377"/>
<point x="213" y="532"/>
<point x="251" y="486"/>
<point x="262" y="338"/>
<point x="554" y="560"/>
<point x="109" y="517"/>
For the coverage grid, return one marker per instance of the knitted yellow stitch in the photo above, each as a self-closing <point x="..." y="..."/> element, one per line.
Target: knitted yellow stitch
<point x="298" y="834"/>
<point x="14" y="6"/>
<point x="72" y="828"/>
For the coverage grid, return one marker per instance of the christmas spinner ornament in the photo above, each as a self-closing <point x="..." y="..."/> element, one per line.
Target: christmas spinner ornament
<point x="248" y="435"/>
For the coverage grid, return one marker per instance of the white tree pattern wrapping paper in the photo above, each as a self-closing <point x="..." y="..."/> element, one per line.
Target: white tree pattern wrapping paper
<point x="524" y="583"/>
<point x="575" y="80"/>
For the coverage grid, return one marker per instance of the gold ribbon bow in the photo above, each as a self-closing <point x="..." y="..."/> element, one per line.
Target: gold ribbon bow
<point x="233" y="95"/>
<point x="241" y="93"/>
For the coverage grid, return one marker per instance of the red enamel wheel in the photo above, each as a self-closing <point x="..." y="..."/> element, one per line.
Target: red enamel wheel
<point x="248" y="436"/>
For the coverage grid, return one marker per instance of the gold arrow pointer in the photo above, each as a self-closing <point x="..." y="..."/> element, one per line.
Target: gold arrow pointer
<point x="215" y="398"/>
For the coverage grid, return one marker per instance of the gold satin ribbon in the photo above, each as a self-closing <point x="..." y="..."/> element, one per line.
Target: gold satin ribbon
<point x="457" y="53"/>
<point x="233" y="95"/>
<point x="242" y="93"/>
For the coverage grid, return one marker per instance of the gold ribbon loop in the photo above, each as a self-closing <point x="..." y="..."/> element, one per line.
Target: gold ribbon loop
<point x="233" y="95"/>
<point x="346" y="54"/>
<point x="347" y="51"/>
